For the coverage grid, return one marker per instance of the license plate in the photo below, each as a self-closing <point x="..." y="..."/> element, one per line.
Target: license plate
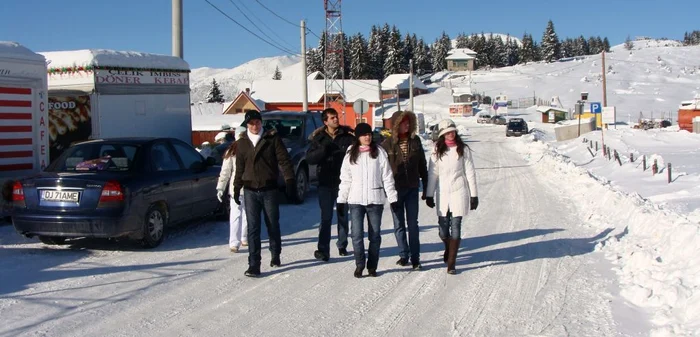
<point x="65" y="196"/>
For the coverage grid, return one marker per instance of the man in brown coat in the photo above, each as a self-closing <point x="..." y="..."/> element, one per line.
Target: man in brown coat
<point x="407" y="159"/>
<point x="259" y="156"/>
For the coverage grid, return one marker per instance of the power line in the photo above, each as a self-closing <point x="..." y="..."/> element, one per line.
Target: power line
<point x="249" y="31"/>
<point x="285" y="20"/>
<point x="263" y="23"/>
<point x="256" y="26"/>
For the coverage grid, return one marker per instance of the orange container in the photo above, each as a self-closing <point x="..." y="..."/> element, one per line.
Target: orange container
<point x="685" y="119"/>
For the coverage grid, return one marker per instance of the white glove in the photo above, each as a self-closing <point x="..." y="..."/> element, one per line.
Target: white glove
<point x="220" y="196"/>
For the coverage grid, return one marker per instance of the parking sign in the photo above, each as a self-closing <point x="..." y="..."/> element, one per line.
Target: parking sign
<point x="596" y="107"/>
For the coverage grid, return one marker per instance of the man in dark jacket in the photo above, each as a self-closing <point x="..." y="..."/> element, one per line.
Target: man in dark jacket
<point x="327" y="150"/>
<point x="259" y="156"/>
<point x="407" y="160"/>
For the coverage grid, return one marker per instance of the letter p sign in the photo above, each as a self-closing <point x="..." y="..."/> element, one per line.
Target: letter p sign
<point x="596" y="108"/>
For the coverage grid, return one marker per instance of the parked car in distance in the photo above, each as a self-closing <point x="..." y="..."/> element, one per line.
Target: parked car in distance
<point x="499" y="120"/>
<point x="116" y="188"/>
<point x="516" y="127"/>
<point x="484" y="119"/>
<point x="295" y="127"/>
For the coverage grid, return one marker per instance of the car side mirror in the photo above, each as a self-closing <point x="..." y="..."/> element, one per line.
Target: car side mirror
<point x="210" y="161"/>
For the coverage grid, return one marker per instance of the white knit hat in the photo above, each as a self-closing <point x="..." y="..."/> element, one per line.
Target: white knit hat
<point x="446" y="126"/>
<point x="220" y="136"/>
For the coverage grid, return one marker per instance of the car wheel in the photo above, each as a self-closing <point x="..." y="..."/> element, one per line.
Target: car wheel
<point x="52" y="240"/>
<point x="302" y="179"/>
<point x="154" y="227"/>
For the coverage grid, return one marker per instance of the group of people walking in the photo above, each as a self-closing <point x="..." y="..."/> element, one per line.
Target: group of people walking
<point x="357" y="176"/>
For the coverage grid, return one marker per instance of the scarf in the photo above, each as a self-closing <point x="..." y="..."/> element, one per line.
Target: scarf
<point x="364" y="148"/>
<point x="255" y="138"/>
<point x="450" y="143"/>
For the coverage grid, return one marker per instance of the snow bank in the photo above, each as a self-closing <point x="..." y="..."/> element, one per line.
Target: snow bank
<point x="9" y="49"/>
<point x="111" y="58"/>
<point x="655" y="252"/>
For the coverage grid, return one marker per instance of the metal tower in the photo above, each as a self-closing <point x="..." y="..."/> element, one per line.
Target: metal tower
<point x="333" y="67"/>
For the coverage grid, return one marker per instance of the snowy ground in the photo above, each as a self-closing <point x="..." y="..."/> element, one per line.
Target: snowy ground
<point x="528" y="266"/>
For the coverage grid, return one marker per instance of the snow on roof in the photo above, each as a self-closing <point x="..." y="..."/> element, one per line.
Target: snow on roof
<point x="461" y="54"/>
<point x="290" y="91"/>
<point x="543" y="109"/>
<point x="112" y="58"/>
<point x="209" y="117"/>
<point x="401" y="80"/>
<point x="316" y="75"/>
<point x="11" y="49"/>
<point x="459" y="91"/>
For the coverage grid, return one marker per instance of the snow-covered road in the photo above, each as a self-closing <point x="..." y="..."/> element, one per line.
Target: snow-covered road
<point x="527" y="266"/>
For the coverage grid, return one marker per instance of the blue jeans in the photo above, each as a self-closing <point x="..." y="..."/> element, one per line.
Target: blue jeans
<point x="408" y="200"/>
<point x="264" y="201"/>
<point x="374" y="219"/>
<point x="450" y="227"/>
<point x="326" y="201"/>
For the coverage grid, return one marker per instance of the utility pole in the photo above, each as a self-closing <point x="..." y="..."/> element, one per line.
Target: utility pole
<point x="398" y="97"/>
<point x="381" y="102"/>
<point x="605" y="92"/>
<point x="410" y="83"/>
<point x="605" y="103"/>
<point x="304" y="77"/>
<point x="177" y="28"/>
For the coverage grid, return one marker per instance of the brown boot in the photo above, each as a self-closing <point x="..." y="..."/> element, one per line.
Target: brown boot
<point x="452" y="256"/>
<point x="447" y="248"/>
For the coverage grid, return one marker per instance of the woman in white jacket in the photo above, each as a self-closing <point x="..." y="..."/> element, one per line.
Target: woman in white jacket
<point x="366" y="181"/>
<point x="237" y="219"/>
<point x="452" y="177"/>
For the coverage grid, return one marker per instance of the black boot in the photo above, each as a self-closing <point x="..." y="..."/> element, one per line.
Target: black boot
<point x="319" y="255"/>
<point x="372" y="272"/>
<point x="452" y="256"/>
<point x="402" y="262"/>
<point x="416" y="264"/>
<point x="275" y="261"/>
<point x="358" y="271"/>
<point x="343" y="252"/>
<point x="252" y="272"/>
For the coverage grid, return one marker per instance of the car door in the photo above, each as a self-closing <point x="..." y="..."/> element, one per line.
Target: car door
<point x="203" y="179"/>
<point x="313" y="122"/>
<point x="176" y="184"/>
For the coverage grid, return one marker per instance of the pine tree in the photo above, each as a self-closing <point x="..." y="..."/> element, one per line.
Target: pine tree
<point x="567" y="48"/>
<point x="215" y="95"/>
<point x="392" y="63"/>
<point x="439" y="53"/>
<point x="480" y="49"/>
<point x="422" y="59"/>
<point x="462" y="41"/>
<point x="375" y="51"/>
<point x="593" y="46"/>
<point x="606" y="44"/>
<point x="500" y="57"/>
<point x="628" y="43"/>
<point x="583" y="47"/>
<point x="527" y="52"/>
<point x="537" y="51"/>
<point x="512" y="53"/>
<point x="278" y="74"/>
<point x="551" y="48"/>
<point x="314" y="62"/>
<point x="359" y="58"/>
<point x="407" y="53"/>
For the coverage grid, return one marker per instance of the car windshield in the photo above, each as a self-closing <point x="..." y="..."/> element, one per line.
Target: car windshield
<point x="515" y="123"/>
<point x="96" y="157"/>
<point x="290" y="129"/>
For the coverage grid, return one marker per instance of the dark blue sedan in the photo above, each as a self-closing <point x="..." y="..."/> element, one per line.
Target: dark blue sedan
<point x="130" y="187"/>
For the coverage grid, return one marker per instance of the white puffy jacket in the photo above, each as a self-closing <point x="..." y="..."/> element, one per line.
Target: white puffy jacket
<point x="370" y="181"/>
<point x="453" y="179"/>
<point x="228" y="171"/>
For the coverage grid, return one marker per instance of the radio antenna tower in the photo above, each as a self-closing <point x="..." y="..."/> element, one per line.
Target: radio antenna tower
<point x="334" y="65"/>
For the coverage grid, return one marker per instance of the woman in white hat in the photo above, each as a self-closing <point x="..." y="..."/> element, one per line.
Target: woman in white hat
<point x="452" y="177"/>
<point x="237" y="219"/>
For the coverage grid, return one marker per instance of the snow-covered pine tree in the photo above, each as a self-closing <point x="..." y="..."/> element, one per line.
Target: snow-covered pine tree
<point x="278" y="74"/>
<point x="606" y="44"/>
<point x="583" y="47"/>
<point x="527" y="51"/>
<point x="392" y="63"/>
<point x="490" y="51"/>
<point x="551" y="48"/>
<point x="629" y="45"/>
<point x="422" y="59"/>
<point x="438" y="56"/>
<point x="215" y="95"/>
<point x="359" y="58"/>
<point x="375" y="51"/>
<point x="314" y="62"/>
<point x="480" y="49"/>
<point x="537" y="54"/>
<point x="500" y="56"/>
<point x="513" y="53"/>
<point x="407" y="53"/>
<point x="593" y="46"/>
<point x="462" y="41"/>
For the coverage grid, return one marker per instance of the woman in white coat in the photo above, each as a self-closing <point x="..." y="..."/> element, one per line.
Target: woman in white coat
<point x="237" y="219"/>
<point x="366" y="181"/>
<point x="452" y="177"/>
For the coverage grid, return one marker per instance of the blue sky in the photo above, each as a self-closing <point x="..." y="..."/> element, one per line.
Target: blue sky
<point x="212" y="40"/>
